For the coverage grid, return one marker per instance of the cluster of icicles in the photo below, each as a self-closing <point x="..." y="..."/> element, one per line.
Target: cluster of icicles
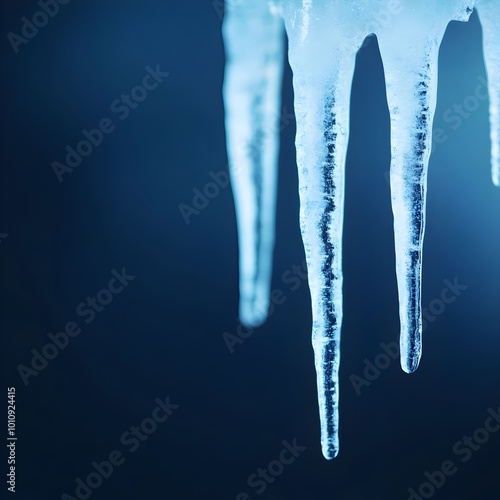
<point x="324" y="37"/>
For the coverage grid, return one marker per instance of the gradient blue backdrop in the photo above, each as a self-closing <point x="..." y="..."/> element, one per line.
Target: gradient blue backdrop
<point x="163" y="335"/>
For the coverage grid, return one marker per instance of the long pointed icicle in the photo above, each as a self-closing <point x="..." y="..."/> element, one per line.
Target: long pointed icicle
<point x="411" y="103"/>
<point x="254" y="41"/>
<point x="489" y="12"/>
<point x="410" y="63"/>
<point x="322" y="97"/>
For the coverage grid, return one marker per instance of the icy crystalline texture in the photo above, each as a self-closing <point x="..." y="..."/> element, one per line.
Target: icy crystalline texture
<point x="409" y="51"/>
<point x="323" y="40"/>
<point x="321" y="106"/>
<point x="323" y="68"/>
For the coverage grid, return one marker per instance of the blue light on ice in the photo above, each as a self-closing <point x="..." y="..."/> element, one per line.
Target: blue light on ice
<point x="324" y="38"/>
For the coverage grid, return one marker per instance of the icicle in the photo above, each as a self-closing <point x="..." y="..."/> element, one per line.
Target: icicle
<point x="489" y="12"/>
<point x="410" y="49"/>
<point x="323" y="68"/>
<point x="252" y="94"/>
<point x="323" y="40"/>
<point x="410" y="64"/>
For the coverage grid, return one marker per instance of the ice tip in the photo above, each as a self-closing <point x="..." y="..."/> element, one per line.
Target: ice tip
<point x="410" y="364"/>
<point x="252" y="317"/>
<point x="330" y="453"/>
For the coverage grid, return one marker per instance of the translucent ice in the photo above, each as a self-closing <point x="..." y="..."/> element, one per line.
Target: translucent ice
<point x="252" y="93"/>
<point x="323" y="40"/>
<point x="489" y="12"/>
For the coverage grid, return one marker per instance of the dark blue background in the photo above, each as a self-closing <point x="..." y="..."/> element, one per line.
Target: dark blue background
<point x="163" y="334"/>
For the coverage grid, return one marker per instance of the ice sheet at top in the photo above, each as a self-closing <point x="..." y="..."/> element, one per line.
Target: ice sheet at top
<point x="323" y="40"/>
